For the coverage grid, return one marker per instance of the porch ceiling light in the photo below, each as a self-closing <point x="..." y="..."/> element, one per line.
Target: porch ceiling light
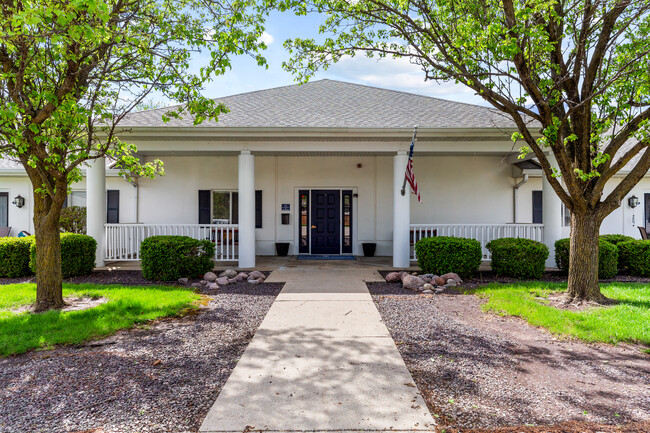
<point x="19" y="201"/>
<point x="633" y="201"/>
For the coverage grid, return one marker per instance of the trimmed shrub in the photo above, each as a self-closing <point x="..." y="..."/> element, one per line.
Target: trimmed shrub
<point x="73" y="220"/>
<point x="77" y="255"/>
<point x="607" y="257"/>
<point x="616" y="239"/>
<point x="519" y="258"/>
<point x="167" y="258"/>
<point x="14" y="256"/>
<point x="635" y="255"/>
<point x="443" y="254"/>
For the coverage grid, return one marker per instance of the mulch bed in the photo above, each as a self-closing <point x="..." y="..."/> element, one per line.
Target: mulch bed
<point x="480" y="372"/>
<point x="162" y="377"/>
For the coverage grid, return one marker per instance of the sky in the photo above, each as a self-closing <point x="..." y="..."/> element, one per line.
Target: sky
<point x="395" y="74"/>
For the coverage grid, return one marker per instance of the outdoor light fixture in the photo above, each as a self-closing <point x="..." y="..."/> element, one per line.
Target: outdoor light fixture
<point x="19" y="201"/>
<point x="633" y="201"/>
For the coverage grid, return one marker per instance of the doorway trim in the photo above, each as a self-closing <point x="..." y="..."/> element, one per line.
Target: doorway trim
<point x="297" y="219"/>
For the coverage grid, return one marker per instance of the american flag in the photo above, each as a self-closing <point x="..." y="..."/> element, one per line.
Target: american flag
<point x="409" y="175"/>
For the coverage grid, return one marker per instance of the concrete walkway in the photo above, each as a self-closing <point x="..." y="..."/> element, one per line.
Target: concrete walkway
<point x="322" y="360"/>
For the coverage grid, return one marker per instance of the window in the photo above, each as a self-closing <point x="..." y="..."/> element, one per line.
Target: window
<point x="4" y="209"/>
<point x="225" y="207"/>
<point x="304" y="222"/>
<point x="347" y="222"/>
<point x="537" y="207"/>
<point x="76" y="198"/>
<point x="566" y="216"/>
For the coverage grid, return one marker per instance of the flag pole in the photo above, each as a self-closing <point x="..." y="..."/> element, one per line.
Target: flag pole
<point x="413" y="139"/>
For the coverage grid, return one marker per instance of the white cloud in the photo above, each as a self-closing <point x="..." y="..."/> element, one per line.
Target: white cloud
<point x="397" y="74"/>
<point x="266" y="38"/>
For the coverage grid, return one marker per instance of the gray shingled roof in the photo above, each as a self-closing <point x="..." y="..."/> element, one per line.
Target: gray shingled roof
<point x="335" y="104"/>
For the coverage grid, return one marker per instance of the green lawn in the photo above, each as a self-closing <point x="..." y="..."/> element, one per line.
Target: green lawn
<point x="126" y="306"/>
<point x="628" y="321"/>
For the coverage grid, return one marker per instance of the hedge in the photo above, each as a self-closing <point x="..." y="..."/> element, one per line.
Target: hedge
<point x="607" y="257"/>
<point x="518" y="258"/>
<point x="14" y="256"/>
<point x="616" y="239"/>
<point x="167" y="258"/>
<point x="443" y="254"/>
<point x="77" y="255"/>
<point x="635" y="255"/>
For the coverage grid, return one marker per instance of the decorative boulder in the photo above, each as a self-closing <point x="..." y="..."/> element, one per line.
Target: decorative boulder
<point x="254" y="281"/>
<point x="439" y="281"/>
<point x="203" y="283"/>
<point x="260" y="280"/>
<point x="213" y="286"/>
<point x="232" y="280"/>
<point x="412" y="282"/>
<point x="425" y="278"/>
<point x="210" y="277"/>
<point x="451" y="283"/>
<point x="228" y="273"/>
<point x="243" y="276"/>
<point x="452" y="276"/>
<point x="183" y="281"/>
<point x="393" y="277"/>
<point x="197" y="285"/>
<point x="256" y="275"/>
<point x="427" y="288"/>
<point x="427" y="292"/>
<point x="222" y="281"/>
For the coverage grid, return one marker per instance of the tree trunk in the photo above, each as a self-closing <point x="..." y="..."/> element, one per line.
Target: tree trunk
<point x="583" y="258"/>
<point x="49" y="280"/>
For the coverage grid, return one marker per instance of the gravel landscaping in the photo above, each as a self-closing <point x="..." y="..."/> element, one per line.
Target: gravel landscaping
<point x="480" y="370"/>
<point x="162" y="377"/>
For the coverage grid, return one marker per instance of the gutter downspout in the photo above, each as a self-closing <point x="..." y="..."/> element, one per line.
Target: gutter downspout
<point x="514" y="197"/>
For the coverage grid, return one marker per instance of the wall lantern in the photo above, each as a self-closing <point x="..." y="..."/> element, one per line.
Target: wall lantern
<point x="19" y="201"/>
<point x="633" y="201"/>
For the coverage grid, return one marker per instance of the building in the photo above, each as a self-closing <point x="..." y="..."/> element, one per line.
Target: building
<point x="320" y="167"/>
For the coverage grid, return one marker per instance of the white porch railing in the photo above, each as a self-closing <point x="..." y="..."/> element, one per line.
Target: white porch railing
<point x="123" y="240"/>
<point x="483" y="233"/>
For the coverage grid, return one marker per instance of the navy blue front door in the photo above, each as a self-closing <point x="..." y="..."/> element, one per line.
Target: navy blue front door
<point x="325" y="222"/>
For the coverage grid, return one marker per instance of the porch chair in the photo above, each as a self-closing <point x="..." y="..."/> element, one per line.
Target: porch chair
<point x="4" y="231"/>
<point x="644" y="232"/>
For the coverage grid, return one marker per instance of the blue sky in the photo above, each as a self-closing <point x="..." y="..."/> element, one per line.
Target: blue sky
<point x="396" y="74"/>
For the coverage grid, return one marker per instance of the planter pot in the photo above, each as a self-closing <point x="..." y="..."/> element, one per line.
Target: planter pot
<point x="282" y="248"/>
<point x="369" y="249"/>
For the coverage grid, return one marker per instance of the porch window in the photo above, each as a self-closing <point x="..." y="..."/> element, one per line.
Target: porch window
<point x="75" y="198"/>
<point x="4" y="209"/>
<point x="566" y="216"/>
<point x="222" y="209"/>
<point x="225" y="208"/>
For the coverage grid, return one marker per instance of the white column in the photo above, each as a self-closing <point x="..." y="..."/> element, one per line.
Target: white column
<point x="401" y="213"/>
<point x="246" y="210"/>
<point x="551" y="215"/>
<point x="96" y="205"/>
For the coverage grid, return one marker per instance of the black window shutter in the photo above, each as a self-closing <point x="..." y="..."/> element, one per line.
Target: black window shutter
<point x="204" y="207"/>
<point x="537" y="207"/>
<point x="113" y="206"/>
<point x="258" y="209"/>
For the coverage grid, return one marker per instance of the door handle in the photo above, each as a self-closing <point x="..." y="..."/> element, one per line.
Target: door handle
<point x="313" y="227"/>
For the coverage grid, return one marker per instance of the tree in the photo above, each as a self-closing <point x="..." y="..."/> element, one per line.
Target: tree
<point x="574" y="75"/>
<point x="70" y="71"/>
